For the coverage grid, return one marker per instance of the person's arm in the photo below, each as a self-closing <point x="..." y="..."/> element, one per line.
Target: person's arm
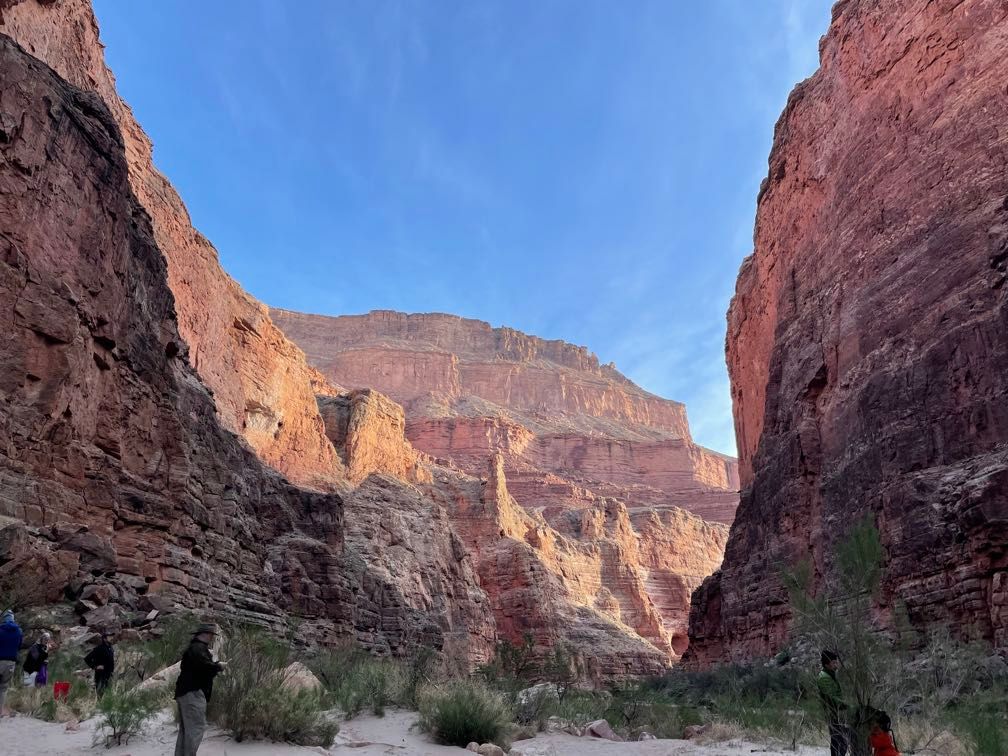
<point x="205" y="663"/>
<point x="90" y="658"/>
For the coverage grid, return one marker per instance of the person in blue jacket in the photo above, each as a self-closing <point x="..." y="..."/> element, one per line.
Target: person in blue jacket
<point x="10" y="646"/>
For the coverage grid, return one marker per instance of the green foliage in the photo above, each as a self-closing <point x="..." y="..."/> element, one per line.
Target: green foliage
<point x="943" y="683"/>
<point x="123" y="712"/>
<point x="564" y="668"/>
<point x="840" y="619"/>
<point x="141" y="660"/>
<point x="511" y="662"/>
<point x="462" y="711"/>
<point x="356" y="680"/>
<point x="253" y="698"/>
<point x="986" y="731"/>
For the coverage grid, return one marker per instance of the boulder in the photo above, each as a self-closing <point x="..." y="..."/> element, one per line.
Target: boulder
<point x="297" y="677"/>
<point x="600" y="728"/>
<point x="162" y="678"/>
<point x="693" y="731"/>
<point x="490" y="749"/>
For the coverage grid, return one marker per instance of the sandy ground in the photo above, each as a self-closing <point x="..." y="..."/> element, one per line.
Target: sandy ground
<point x="364" y="736"/>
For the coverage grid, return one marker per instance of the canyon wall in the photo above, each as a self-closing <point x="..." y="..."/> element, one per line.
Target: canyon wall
<point x="575" y="491"/>
<point x="119" y="488"/>
<point x="261" y="385"/>
<point x="471" y="391"/>
<point x="145" y="391"/>
<point x="868" y="337"/>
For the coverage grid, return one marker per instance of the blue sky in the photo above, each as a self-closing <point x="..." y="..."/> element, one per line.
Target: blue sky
<point x="574" y="169"/>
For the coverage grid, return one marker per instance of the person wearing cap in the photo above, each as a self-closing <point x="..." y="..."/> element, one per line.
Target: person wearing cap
<point x="101" y="659"/>
<point x="194" y="688"/>
<point x="835" y="707"/>
<point x="10" y="645"/>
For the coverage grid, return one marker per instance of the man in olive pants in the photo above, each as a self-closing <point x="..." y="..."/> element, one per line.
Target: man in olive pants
<point x="193" y="689"/>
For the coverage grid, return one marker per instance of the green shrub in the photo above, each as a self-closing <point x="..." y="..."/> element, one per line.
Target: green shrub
<point x="462" y="711"/>
<point x="580" y="707"/>
<point x="356" y="680"/>
<point x="64" y="664"/>
<point x="141" y="660"/>
<point x="252" y="698"/>
<point x="123" y="712"/>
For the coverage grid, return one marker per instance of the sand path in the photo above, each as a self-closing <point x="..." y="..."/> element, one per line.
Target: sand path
<point x="392" y="735"/>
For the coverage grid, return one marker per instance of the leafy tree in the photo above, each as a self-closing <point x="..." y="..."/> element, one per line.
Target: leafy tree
<point x="839" y="618"/>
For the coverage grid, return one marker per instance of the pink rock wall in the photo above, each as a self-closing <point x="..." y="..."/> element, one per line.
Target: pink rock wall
<point x="867" y="338"/>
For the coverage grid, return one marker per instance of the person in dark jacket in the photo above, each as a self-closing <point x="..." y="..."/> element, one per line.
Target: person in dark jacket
<point x="101" y="659"/>
<point x="835" y="707"/>
<point x="36" y="663"/>
<point x="194" y="688"/>
<point x="10" y="645"/>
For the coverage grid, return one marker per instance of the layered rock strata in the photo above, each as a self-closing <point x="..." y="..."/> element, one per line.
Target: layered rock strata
<point x="119" y="489"/>
<point x="579" y="533"/>
<point x="260" y="383"/>
<point x="868" y="337"/>
<point x="471" y="391"/>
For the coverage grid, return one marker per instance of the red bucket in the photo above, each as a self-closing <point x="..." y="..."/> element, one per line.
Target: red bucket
<point x="61" y="690"/>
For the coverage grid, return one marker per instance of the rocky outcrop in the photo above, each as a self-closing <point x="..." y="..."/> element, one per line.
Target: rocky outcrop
<point x="613" y="583"/>
<point x="260" y="383"/>
<point x="367" y="429"/>
<point x="471" y="391"/>
<point x="131" y="358"/>
<point x="111" y="458"/>
<point x="119" y="489"/>
<point x="868" y="336"/>
<point x="445" y="357"/>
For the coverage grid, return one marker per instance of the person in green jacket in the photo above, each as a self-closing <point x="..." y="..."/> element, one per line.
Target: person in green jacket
<point x="832" y="700"/>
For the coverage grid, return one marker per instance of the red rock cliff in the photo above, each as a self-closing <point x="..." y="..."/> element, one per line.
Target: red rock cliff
<point x="471" y="391"/>
<point x="118" y="486"/>
<point x="579" y="533"/>
<point x="261" y="385"/>
<point x="868" y="337"/>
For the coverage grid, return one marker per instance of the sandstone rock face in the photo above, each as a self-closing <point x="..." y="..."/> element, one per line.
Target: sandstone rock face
<point x="118" y="485"/>
<point x="868" y="337"/>
<point x="261" y="386"/>
<point x="471" y="391"/>
<point x="111" y="459"/>
<point x="578" y="533"/>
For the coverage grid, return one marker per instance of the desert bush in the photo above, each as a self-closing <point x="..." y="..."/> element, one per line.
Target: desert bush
<point x="462" y="711"/>
<point x="564" y="668"/>
<point x="355" y="680"/>
<point x="64" y="664"/>
<point x="512" y="663"/>
<point x="949" y="684"/>
<point x="418" y="671"/>
<point x="141" y="660"/>
<point x="123" y="712"/>
<point x="252" y="700"/>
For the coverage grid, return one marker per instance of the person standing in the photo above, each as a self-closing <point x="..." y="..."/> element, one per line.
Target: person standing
<point x="36" y="663"/>
<point x="194" y="688"/>
<point x="831" y="696"/>
<point x="10" y="646"/>
<point x="101" y="659"/>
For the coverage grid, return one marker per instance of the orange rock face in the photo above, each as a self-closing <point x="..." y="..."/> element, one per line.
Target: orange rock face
<point x="868" y="336"/>
<point x="579" y="532"/>
<point x="261" y="385"/>
<point x="471" y="391"/>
